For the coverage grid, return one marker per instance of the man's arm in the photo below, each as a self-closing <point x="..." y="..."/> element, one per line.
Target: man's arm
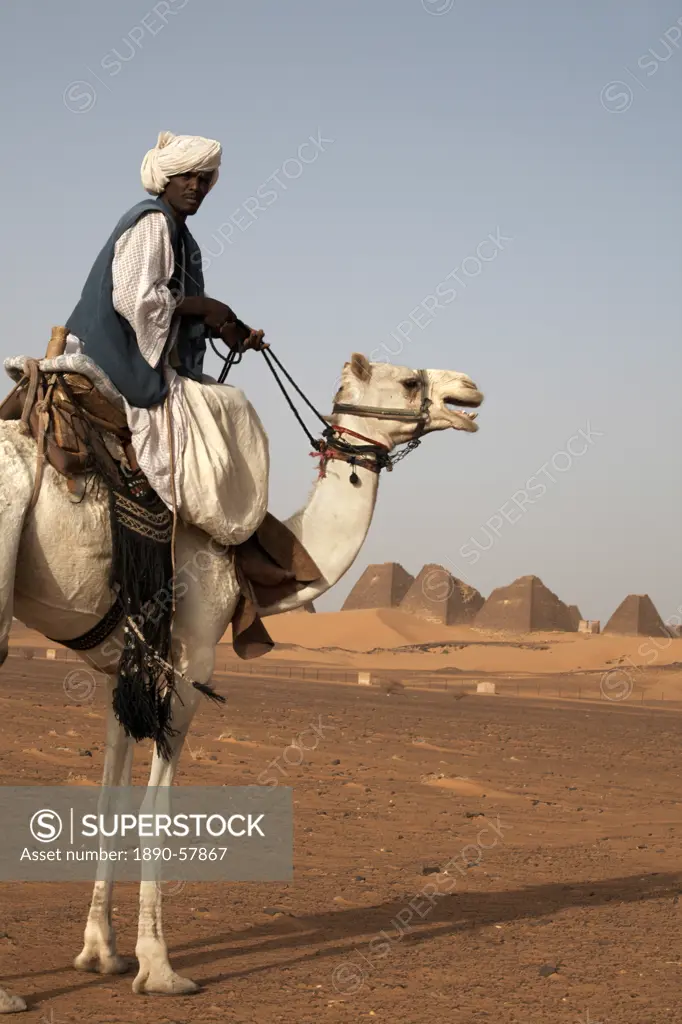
<point x="221" y="321"/>
<point x="141" y="269"/>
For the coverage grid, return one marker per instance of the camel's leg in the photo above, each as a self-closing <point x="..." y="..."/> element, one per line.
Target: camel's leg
<point x="15" y="495"/>
<point x="155" y="972"/>
<point x="16" y="488"/>
<point x="99" y="950"/>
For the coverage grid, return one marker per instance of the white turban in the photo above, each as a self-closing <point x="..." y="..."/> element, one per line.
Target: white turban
<point x="179" y="154"/>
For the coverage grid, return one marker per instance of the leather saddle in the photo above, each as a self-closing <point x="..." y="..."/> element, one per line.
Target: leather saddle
<point x="70" y="419"/>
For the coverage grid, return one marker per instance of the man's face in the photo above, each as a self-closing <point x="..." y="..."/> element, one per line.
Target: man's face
<point x="186" y="192"/>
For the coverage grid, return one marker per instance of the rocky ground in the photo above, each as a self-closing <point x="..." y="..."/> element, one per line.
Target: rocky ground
<point x="482" y="859"/>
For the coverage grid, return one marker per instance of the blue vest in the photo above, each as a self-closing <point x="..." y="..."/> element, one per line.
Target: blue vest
<point x="107" y="337"/>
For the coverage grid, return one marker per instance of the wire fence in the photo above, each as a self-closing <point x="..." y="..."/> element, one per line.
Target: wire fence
<point x="459" y="684"/>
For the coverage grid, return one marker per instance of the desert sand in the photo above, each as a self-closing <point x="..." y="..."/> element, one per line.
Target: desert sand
<point x="396" y="645"/>
<point x="546" y="816"/>
<point x="550" y="829"/>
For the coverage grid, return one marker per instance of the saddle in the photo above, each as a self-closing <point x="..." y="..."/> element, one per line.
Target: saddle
<point x="70" y="419"/>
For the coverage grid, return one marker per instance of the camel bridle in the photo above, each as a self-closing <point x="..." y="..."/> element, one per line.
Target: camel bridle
<point x="405" y="415"/>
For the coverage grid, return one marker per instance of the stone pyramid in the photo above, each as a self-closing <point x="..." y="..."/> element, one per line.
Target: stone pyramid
<point x="380" y="586"/>
<point x="575" y="615"/>
<point x="438" y="596"/>
<point x="524" y="606"/>
<point x="636" y="616"/>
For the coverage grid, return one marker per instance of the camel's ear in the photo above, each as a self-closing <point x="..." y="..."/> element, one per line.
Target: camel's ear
<point x="360" y="366"/>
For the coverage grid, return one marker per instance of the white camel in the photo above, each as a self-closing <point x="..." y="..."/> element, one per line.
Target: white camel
<point x="54" y="562"/>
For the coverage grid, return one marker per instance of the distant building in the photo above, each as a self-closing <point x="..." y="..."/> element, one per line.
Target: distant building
<point x="380" y="586"/>
<point x="524" y="606"/>
<point x="438" y="596"/>
<point x="637" y="616"/>
<point x="575" y="615"/>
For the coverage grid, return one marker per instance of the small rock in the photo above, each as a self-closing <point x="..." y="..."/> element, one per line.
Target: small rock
<point x="548" y="969"/>
<point x="85" y="753"/>
<point x="431" y="869"/>
<point x="336" y="761"/>
<point x="360" y="878"/>
<point x="273" y="911"/>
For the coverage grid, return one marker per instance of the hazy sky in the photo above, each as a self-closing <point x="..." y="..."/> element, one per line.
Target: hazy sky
<point x="554" y="127"/>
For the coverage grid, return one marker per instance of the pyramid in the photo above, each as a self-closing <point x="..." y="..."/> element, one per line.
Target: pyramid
<point x="524" y="606"/>
<point x="636" y="616"/>
<point x="574" y="614"/>
<point x="380" y="586"/>
<point x="438" y="596"/>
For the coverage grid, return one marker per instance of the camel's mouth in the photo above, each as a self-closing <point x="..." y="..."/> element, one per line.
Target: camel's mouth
<point x="463" y="420"/>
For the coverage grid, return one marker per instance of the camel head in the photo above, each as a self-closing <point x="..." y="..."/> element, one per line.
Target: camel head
<point x="371" y="392"/>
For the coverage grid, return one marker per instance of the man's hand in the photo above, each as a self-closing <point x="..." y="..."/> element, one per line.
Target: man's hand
<point x="238" y="335"/>
<point x="222" y="322"/>
<point x="255" y="340"/>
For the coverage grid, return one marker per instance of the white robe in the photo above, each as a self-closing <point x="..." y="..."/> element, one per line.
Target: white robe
<point x="219" y="447"/>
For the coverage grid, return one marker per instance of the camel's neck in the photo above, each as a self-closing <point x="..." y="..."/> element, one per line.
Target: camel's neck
<point x="332" y="527"/>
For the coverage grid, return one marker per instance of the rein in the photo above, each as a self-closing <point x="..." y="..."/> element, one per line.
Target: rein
<point x="372" y="455"/>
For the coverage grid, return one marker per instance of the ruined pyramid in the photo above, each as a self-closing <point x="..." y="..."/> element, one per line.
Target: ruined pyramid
<point x="524" y="606"/>
<point x="636" y="616"/>
<point x="575" y="615"/>
<point x="438" y="596"/>
<point x="380" y="586"/>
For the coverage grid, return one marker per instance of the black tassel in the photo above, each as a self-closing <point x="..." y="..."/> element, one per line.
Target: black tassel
<point x="141" y="571"/>
<point x="208" y="691"/>
<point x="354" y="478"/>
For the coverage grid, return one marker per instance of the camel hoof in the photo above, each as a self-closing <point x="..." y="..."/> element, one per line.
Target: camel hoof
<point x="166" y="983"/>
<point x="87" y="961"/>
<point x="11" y="1004"/>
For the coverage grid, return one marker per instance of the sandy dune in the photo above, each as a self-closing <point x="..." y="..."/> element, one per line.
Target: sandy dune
<point x="346" y="638"/>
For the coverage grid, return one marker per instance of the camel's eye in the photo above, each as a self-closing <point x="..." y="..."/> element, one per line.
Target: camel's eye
<point x="411" y="384"/>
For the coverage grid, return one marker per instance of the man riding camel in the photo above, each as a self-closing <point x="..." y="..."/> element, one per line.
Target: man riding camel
<point x="143" y="319"/>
